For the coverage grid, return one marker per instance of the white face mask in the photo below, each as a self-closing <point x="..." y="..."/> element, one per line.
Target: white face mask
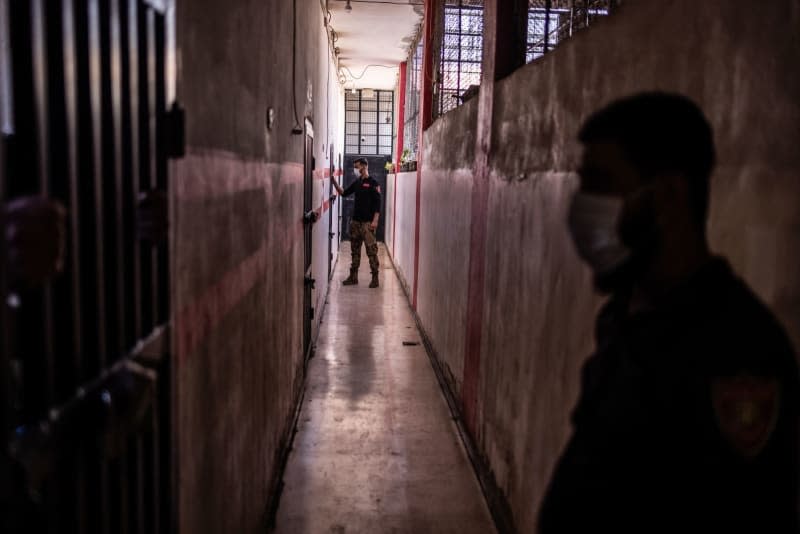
<point x="593" y="223"/>
<point x="357" y="172"/>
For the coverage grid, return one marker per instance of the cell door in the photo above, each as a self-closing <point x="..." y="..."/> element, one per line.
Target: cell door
<point x="85" y="372"/>
<point x="331" y="233"/>
<point x="309" y="219"/>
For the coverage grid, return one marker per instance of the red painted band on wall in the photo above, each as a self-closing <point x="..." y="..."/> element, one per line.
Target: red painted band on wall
<point x="426" y="113"/>
<point x="401" y="120"/>
<point x="195" y="320"/>
<point x="198" y="173"/>
<point x="492" y="33"/>
<point x="323" y="208"/>
<point x="475" y="286"/>
<point x="203" y="315"/>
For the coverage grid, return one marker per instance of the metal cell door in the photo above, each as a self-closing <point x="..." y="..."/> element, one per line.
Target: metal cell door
<point x="309" y="218"/>
<point x="84" y="276"/>
<point x="331" y="233"/>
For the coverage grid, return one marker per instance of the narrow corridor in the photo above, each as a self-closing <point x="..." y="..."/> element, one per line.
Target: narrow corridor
<point x="590" y="209"/>
<point x="376" y="449"/>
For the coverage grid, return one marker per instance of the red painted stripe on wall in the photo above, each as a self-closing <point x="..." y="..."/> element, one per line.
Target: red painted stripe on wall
<point x="493" y="31"/>
<point x="201" y="175"/>
<point x="418" y="202"/>
<point x="323" y="208"/>
<point x="426" y="116"/>
<point x="205" y="313"/>
<point x="475" y="285"/>
<point x="401" y="120"/>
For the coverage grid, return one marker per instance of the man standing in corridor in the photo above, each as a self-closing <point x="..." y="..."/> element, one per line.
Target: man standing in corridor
<point x="687" y="419"/>
<point x="365" y="220"/>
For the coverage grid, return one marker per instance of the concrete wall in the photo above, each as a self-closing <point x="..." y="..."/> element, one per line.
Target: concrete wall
<point x="237" y="200"/>
<point x="445" y="215"/>
<point x="404" y="223"/>
<point x="739" y="64"/>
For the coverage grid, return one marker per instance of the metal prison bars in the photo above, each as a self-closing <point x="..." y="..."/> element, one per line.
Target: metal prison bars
<point x="369" y="122"/>
<point x="83" y="355"/>
<point x="552" y="21"/>
<point x="412" y="101"/>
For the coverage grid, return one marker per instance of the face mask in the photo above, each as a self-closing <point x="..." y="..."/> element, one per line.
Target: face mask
<point x="356" y="172"/>
<point x="593" y="223"/>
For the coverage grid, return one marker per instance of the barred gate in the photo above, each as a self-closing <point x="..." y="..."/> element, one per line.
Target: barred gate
<point x="84" y="367"/>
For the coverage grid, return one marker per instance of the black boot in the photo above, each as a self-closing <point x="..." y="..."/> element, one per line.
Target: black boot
<point x="374" y="282"/>
<point x="351" y="280"/>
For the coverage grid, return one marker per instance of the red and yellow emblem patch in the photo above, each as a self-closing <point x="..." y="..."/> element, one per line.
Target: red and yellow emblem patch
<point x="747" y="410"/>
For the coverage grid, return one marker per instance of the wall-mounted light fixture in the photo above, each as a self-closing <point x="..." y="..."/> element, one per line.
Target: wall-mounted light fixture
<point x="348" y="7"/>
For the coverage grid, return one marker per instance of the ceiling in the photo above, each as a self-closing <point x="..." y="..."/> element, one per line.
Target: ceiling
<point x="374" y="32"/>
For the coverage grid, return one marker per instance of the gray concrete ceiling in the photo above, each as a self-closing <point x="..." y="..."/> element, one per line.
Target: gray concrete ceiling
<point x="374" y="32"/>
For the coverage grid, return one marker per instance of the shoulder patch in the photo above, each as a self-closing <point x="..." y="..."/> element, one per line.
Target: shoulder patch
<point x="746" y="409"/>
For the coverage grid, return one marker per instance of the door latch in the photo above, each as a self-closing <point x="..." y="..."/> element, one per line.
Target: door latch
<point x="310" y="217"/>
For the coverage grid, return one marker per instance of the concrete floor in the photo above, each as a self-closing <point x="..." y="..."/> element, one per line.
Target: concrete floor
<point x="376" y="450"/>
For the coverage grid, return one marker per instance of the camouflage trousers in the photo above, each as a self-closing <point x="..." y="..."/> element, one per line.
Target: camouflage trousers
<point x="360" y="232"/>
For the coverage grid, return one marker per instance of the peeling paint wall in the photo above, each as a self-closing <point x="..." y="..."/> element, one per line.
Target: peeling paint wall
<point x="237" y="200"/>
<point x="739" y="64"/>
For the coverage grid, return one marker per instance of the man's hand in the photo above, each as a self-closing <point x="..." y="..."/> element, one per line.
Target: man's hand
<point x="337" y="186"/>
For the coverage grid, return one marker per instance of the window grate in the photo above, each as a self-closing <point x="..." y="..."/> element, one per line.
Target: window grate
<point x="461" y="53"/>
<point x="552" y="21"/>
<point x="412" y="103"/>
<point x="369" y="122"/>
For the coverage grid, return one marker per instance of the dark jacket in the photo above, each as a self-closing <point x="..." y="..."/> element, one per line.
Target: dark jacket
<point x="687" y="419"/>
<point x="368" y="198"/>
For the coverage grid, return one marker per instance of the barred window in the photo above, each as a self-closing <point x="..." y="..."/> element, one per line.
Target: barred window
<point x="458" y="44"/>
<point x="461" y="52"/>
<point x="369" y="122"/>
<point x="412" y="103"/>
<point x="552" y="21"/>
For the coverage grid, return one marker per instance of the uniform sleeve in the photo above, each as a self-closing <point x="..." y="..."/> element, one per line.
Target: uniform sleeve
<point x="376" y="197"/>
<point x="350" y="189"/>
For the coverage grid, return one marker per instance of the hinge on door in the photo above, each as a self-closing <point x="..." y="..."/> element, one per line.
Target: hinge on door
<point x="175" y="131"/>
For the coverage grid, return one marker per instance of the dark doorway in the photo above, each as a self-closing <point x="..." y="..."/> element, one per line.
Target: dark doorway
<point x="377" y="170"/>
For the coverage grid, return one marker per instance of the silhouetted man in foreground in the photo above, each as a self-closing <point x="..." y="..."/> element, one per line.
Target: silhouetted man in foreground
<point x="688" y="415"/>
